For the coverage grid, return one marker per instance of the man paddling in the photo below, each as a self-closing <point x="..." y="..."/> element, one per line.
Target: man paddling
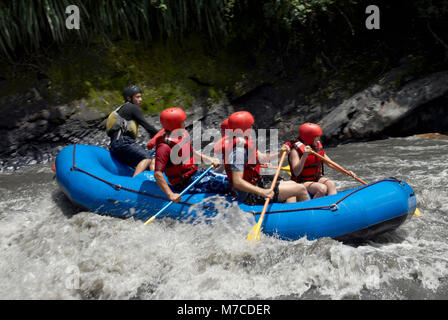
<point x="308" y="168"/>
<point x="176" y="158"/>
<point x="242" y="163"/>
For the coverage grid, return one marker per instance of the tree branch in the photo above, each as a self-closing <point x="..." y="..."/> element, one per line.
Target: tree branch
<point x="346" y="19"/>
<point x="436" y="36"/>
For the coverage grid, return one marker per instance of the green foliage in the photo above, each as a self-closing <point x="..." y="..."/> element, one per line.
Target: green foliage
<point x="178" y="50"/>
<point x="431" y="9"/>
<point x="172" y="73"/>
<point x="298" y="17"/>
<point x="25" y="23"/>
<point x="291" y="11"/>
<point x="29" y="24"/>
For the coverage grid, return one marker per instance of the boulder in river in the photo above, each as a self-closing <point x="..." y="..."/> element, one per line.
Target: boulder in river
<point x="382" y="109"/>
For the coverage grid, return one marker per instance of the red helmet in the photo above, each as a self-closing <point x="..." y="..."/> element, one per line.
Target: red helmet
<point x="172" y="118"/>
<point x="308" y="132"/>
<point x="241" y="120"/>
<point x="224" y="125"/>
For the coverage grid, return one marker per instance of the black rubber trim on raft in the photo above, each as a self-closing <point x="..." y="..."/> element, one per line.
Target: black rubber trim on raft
<point x="373" y="230"/>
<point x="332" y="207"/>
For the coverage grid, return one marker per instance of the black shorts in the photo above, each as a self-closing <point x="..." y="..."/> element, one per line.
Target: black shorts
<point x="127" y="150"/>
<point x="264" y="182"/>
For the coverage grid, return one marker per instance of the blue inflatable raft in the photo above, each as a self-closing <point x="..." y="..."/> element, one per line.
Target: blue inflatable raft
<point x="94" y="180"/>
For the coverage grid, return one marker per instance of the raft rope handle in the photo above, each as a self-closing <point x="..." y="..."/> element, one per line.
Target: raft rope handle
<point x="332" y="207"/>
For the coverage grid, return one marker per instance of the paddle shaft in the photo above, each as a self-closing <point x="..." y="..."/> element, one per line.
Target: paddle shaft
<point x="182" y="193"/>
<point x="256" y="233"/>
<point x="417" y="211"/>
<point x="337" y="166"/>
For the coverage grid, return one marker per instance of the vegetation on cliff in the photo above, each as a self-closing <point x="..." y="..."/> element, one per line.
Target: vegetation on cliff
<point x="180" y="50"/>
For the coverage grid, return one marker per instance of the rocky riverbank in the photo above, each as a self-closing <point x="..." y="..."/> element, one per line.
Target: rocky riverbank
<point x="396" y="104"/>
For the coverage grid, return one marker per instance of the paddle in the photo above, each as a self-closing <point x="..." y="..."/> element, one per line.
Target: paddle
<point x="416" y="212"/>
<point x="255" y="232"/>
<point x="287" y="169"/>
<point x="337" y="166"/>
<point x="185" y="190"/>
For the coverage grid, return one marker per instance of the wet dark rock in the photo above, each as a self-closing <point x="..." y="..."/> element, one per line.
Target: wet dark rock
<point x="382" y="109"/>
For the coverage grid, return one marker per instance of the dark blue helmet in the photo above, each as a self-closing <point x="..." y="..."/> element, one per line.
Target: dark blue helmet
<point x="130" y="91"/>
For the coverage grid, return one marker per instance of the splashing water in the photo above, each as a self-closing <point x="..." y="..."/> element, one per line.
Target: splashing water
<point x="52" y="250"/>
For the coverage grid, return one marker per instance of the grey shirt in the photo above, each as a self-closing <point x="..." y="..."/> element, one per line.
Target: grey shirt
<point x="238" y="157"/>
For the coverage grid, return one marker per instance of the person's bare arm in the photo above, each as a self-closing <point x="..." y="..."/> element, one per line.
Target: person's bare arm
<point x="336" y="168"/>
<point x="198" y="156"/>
<point x="240" y="184"/>
<point x="163" y="185"/>
<point x="297" y="162"/>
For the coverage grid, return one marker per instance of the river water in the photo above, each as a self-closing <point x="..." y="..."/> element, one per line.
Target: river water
<point x="51" y="250"/>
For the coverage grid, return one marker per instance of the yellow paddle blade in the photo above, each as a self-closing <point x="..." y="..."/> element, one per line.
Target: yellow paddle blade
<point x="150" y="220"/>
<point x="417" y="212"/>
<point x="287" y="169"/>
<point x="254" y="234"/>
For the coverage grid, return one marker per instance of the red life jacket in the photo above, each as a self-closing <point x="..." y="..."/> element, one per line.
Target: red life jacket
<point x="251" y="168"/>
<point x="178" y="173"/>
<point x="152" y="143"/>
<point x="218" y="148"/>
<point x="313" y="168"/>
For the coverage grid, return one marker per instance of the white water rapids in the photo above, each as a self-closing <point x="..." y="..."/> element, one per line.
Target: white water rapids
<point x="50" y="250"/>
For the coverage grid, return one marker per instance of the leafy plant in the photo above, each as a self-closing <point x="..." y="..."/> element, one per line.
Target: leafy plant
<point x="29" y="24"/>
